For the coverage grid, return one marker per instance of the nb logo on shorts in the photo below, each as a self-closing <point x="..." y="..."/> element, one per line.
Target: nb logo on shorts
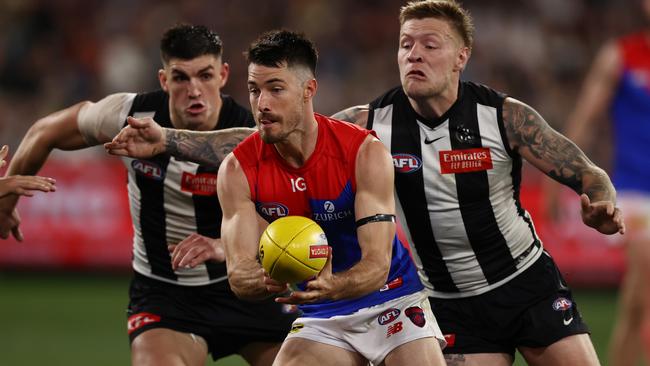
<point x="394" y="329"/>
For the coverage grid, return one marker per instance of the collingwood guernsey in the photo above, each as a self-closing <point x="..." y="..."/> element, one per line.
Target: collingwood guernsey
<point x="169" y="199"/>
<point x="457" y="186"/>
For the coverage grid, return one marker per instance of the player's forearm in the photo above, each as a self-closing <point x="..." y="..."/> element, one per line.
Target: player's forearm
<point x="363" y="278"/>
<point x="597" y="185"/>
<point x="246" y="280"/>
<point x="57" y="130"/>
<point x="204" y="147"/>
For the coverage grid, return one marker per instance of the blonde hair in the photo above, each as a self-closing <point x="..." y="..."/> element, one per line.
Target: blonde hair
<point x="448" y="10"/>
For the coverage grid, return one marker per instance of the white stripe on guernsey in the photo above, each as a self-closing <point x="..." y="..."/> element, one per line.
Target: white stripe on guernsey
<point x="516" y="231"/>
<point x="140" y="261"/>
<point x="382" y="125"/>
<point x="442" y="197"/>
<point x="180" y="217"/>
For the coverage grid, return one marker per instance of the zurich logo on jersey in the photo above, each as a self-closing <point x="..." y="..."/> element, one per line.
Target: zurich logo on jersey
<point x="329" y="206"/>
<point x="406" y="163"/>
<point x="148" y="169"/>
<point x="272" y="209"/>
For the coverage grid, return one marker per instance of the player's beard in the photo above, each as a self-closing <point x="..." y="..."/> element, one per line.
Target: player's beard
<point x="288" y="125"/>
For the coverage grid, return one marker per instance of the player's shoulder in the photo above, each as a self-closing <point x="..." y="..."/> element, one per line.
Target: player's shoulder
<point x="339" y="125"/>
<point x="151" y="100"/>
<point x="481" y="93"/>
<point x="391" y="96"/>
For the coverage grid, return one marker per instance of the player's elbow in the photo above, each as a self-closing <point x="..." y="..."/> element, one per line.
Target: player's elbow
<point x="39" y="134"/>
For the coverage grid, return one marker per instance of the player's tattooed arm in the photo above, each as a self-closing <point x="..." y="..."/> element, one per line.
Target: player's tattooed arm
<point x="455" y="359"/>
<point x="357" y="115"/>
<point x="206" y="148"/>
<point x="554" y="154"/>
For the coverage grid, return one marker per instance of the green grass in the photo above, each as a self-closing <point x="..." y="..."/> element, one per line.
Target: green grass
<point x="79" y="319"/>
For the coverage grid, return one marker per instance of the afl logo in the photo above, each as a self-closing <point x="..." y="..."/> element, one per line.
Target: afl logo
<point x="147" y="169"/>
<point x="388" y="316"/>
<point x="562" y="303"/>
<point x="406" y="163"/>
<point x="273" y="209"/>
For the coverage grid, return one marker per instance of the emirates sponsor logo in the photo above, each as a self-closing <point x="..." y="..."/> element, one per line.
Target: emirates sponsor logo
<point x="318" y="251"/>
<point x="463" y="161"/>
<point x="202" y="184"/>
<point x="139" y="320"/>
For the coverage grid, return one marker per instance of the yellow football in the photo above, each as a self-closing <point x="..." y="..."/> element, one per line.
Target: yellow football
<point x="293" y="249"/>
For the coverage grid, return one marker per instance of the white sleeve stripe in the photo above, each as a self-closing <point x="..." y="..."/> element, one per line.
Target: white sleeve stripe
<point x="100" y="122"/>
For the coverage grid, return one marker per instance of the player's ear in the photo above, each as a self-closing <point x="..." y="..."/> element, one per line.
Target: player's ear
<point x="224" y="72"/>
<point x="309" y="92"/>
<point x="462" y="58"/>
<point x="162" y="78"/>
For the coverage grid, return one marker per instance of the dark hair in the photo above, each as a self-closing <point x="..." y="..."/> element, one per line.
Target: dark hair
<point x="186" y="41"/>
<point x="276" y="47"/>
<point x="448" y="10"/>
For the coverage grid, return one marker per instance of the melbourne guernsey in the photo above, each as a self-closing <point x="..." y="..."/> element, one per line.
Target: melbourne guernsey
<point x="323" y="189"/>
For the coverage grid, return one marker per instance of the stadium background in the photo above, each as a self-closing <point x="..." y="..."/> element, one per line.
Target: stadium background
<point x="63" y="291"/>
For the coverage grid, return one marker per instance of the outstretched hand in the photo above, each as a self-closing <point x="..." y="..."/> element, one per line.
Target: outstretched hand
<point x="142" y="138"/>
<point x="323" y="287"/>
<point x="602" y="216"/>
<point x="25" y="185"/>
<point x="194" y="250"/>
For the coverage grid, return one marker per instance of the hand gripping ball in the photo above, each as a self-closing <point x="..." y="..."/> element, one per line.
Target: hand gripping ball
<point x="293" y="249"/>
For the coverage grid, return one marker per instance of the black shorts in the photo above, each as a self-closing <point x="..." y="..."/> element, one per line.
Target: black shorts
<point x="211" y="311"/>
<point x="535" y="309"/>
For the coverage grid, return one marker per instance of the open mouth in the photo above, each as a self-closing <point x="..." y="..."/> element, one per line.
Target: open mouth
<point x="196" y="108"/>
<point x="415" y="73"/>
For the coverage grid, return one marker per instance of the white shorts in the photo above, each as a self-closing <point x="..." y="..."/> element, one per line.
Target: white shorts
<point x="374" y="331"/>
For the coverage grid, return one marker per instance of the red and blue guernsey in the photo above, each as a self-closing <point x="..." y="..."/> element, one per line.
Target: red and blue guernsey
<point x="631" y="115"/>
<point x="324" y="190"/>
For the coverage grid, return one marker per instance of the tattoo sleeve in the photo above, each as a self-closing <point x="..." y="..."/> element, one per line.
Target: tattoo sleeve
<point x="357" y="115"/>
<point x="554" y="154"/>
<point x="455" y="359"/>
<point x="204" y="147"/>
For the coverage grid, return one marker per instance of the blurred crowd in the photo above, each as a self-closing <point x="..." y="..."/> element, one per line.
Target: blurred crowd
<point x="55" y="53"/>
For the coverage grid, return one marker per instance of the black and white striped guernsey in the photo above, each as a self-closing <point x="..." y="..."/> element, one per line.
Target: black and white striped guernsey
<point x="171" y="199"/>
<point x="457" y="188"/>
